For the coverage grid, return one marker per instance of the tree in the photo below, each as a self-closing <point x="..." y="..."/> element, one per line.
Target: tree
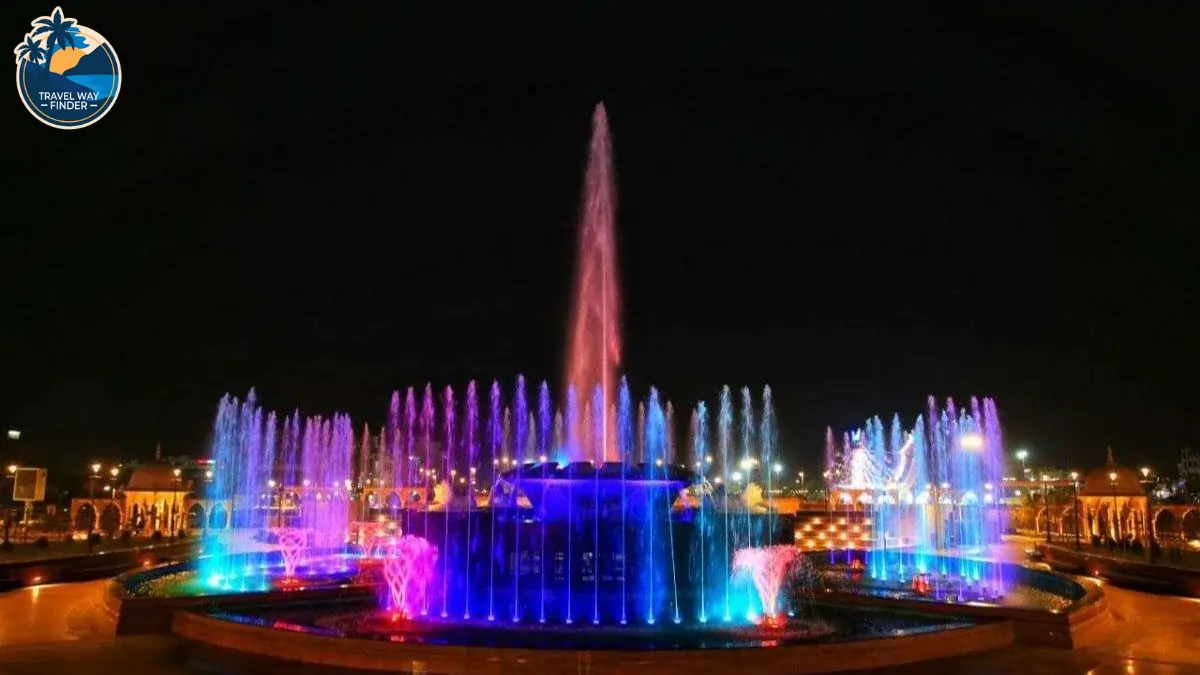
<point x="31" y="50"/>
<point x="60" y="33"/>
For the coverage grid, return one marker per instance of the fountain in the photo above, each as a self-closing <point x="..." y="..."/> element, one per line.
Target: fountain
<point x="768" y="567"/>
<point x="929" y="498"/>
<point x="293" y="542"/>
<point x="408" y="569"/>
<point x="579" y="520"/>
<point x="595" y="344"/>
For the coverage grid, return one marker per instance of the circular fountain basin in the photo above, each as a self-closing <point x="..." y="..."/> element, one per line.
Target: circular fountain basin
<point x="827" y="638"/>
<point x="183" y="582"/>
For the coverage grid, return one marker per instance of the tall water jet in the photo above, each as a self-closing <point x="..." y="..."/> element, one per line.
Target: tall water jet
<point x="470" y="429"/>
<point x="768" y="442"/>
<point x="626" y="444"/>
<point x="595" y="344"/>
<point x="725" y="442"/>
<point x="702" y="463"/>
<point x="496" y="443"/>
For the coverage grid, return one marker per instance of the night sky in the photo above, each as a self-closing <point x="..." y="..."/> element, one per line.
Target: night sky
<point x="859" y="206"/>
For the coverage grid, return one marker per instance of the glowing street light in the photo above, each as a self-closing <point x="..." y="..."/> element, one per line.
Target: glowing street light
<point x="778" y="468"/>
<point x="745" y="464"/>
<point x="12" y="468"/>
<point x="1023" y="455"/>
<point x="96" y="468"/>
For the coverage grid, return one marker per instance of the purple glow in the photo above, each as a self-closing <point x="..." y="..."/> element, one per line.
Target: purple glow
<point x="408" y="569"/>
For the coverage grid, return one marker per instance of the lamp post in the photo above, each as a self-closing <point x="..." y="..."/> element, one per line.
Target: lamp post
<point x="802" y="492"/>
<point x="12" y="473"/>
<point x="1075" y="496"/>
<point x="175" y="503"/>
<point x="1115" y="517"/>
<point x="828" y="495"/>
<point x="1046" y="501"/>
<point x="112" y="496"/>
<point x="1148" y="521"/>
<point x="1023" y="455"/>
<point x="92" y="504"/>
<point x="208" y="476"/>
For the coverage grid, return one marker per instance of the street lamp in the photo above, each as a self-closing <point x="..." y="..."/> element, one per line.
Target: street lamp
<point x="1148" y="525"/>
<point x="1114" y="517"/>
<point x="92" y="503"/>
<point x="1046" y="501"/>
<point x="175" y="503"/>
<point x="1075" y="496"/>
<point x="1023" y="455"/>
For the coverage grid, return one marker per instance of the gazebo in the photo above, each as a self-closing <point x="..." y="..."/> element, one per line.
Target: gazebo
<point x="1113" y="502"/>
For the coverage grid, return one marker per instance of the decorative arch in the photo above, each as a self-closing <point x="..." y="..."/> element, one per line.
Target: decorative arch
<point x="110" y="518"/>
<point x="195" y="517"/>
<point x="218" y="517"/>
<point x="1189" y="524"/>
<point x="85" y="516"/>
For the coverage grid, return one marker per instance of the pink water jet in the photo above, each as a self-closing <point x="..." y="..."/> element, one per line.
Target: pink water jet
<point x="408" y="569"/>
<point x="768" y="568"/>
<point x="595" y="342"/>
<point x="293" y="541"/>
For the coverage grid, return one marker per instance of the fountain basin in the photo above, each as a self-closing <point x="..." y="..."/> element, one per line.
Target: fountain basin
<point x="237" y="636"/>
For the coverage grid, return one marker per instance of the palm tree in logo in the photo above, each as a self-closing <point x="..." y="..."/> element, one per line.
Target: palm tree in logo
<point x="30" y="50"/>
<point x="60" y="33"/>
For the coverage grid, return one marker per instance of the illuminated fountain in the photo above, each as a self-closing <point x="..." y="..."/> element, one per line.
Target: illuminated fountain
<point x="409" y="571"/>
<point x="768" y="567"/>
<point x="293" y="541"/>
<point x="929" y="495"/>
<point x="483" y="517"/>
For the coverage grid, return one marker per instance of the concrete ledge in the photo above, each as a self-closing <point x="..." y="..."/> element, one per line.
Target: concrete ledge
<point x="86" y="567"/>
<point x="1032" y="627"/>
<point x="1123" y="572"/>
<point x="136" y="615"/>
<point x="287" y="647"/>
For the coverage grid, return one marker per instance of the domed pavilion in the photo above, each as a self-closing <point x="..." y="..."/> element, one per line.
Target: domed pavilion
<point x="1113" y="502"/>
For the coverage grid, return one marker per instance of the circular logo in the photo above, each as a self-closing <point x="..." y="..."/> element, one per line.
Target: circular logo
<point x="68" y="75"/>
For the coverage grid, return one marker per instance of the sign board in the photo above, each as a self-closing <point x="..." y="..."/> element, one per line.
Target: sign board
<point x="29" y="485"/>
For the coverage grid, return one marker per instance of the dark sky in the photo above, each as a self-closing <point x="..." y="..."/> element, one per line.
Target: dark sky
<point x="860" y="204"/>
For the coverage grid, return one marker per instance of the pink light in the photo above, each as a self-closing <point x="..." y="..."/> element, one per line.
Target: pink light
<point x="768" y="567"/>
<point x="595" y="349"/>
<point x="408" y="569"/>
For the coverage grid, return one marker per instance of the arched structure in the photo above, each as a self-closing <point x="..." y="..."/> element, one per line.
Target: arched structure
<point x="1113" y="503"/>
